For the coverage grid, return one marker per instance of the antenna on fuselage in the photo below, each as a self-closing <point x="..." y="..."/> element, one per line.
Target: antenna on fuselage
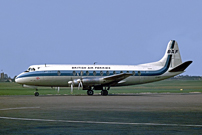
<point x="45" y="65"/>
<point x="95" y="63"/>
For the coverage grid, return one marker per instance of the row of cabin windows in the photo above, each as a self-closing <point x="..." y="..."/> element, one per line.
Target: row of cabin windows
<point x="101" y="73"/>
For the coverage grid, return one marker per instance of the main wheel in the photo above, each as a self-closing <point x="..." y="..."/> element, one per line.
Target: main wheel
<point x="104" y="92"/>
<point x="36" y="93"/>
<point x="90" y="92"/>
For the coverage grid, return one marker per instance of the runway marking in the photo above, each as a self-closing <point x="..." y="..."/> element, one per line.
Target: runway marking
<point x="18" y="108"/>
<point x="97" y="122"/>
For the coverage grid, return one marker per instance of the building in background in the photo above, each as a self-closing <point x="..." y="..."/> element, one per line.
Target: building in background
<point x="5" y="78"/>
<point x="2" y="75"/>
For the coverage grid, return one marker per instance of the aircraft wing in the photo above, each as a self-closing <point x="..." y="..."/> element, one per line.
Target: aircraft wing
<point x="116" y="78"/>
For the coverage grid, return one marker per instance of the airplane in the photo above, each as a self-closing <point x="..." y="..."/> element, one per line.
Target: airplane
<point x="102" y="77"/>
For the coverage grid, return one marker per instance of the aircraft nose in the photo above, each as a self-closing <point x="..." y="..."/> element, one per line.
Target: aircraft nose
<point x="17" y="80"/>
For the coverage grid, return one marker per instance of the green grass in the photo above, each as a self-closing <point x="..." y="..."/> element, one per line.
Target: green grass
<point x="166" y="86"/>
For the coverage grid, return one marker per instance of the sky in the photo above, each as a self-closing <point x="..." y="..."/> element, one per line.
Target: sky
<point x="114" y="32"/>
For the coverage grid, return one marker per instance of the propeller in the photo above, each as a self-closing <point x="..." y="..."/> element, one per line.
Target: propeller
<point x="71" y="85"/>
<point x="80" y="83"/>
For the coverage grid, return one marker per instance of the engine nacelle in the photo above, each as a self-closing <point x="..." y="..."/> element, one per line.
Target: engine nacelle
<point x="87" y="81"/>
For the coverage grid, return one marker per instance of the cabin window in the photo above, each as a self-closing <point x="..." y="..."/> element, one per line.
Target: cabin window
<point x="81" y="73"/>
<point x="133" y="73"/>
<point x="127" y="71"/>
<point x="94" y="73"/>
<point x="139" y="73"/>
<point x="107" y="72"/>
<point x="59" y="73"/>
<point x="101" y="73"/>
<point x="121" y="71"/>
<point x="74" y="73"/>
<point x="114" y="72"/>
<point x="87" y="73"/>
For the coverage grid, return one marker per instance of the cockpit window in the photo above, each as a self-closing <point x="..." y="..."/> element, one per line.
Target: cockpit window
<point x="30" y="69"/>
<point x="27" y="70"/>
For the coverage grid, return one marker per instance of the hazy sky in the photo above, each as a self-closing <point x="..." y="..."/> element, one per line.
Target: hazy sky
<point x="104" y="31"/>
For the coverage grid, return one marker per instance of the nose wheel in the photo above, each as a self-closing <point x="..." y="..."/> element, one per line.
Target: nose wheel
<point x="36" y="93"/>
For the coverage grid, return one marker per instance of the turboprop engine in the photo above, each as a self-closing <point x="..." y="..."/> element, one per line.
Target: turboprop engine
<point x="85" y="82"/>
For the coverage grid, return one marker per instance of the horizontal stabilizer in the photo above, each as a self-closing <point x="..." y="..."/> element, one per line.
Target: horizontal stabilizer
<point x="181" y="67"/>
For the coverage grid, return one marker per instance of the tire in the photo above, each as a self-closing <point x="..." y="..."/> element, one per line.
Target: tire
<point x="90" y="92"/>
<point x="104" y="92"/>
<point x="36" y="94"/>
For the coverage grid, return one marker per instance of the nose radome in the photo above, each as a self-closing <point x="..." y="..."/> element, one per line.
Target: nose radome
<point x="17" y="80"/>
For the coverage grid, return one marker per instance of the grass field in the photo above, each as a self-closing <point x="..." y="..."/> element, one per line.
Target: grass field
<point x="166" y="86"/>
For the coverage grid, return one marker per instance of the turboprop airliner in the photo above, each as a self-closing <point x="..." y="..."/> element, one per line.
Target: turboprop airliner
<point x="102" y="77"/>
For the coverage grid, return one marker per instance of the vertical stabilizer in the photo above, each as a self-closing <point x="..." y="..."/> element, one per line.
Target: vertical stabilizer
<point x="172" y="49"/>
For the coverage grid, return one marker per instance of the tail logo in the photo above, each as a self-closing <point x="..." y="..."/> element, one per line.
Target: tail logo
<point x="171" y="51"/>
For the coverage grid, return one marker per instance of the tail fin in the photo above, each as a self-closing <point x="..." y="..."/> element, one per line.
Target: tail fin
<point x="172" y="49"/>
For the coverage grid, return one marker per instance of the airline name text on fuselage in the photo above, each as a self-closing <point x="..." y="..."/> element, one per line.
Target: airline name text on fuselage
<point x="91" y="67"/>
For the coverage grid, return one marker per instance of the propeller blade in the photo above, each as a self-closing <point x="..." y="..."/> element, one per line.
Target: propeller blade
<point x="80" y="83"/>
<point x="72" y="88"/>
<point x="58" y="89"/>
<point x="71" y="83"/>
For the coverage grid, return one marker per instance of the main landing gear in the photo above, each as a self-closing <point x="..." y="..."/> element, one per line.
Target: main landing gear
<point x="36" y="93"/>
<point x="104" y="91"/>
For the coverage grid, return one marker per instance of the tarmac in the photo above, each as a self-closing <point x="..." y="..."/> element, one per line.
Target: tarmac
<point x="112" y="114"/>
